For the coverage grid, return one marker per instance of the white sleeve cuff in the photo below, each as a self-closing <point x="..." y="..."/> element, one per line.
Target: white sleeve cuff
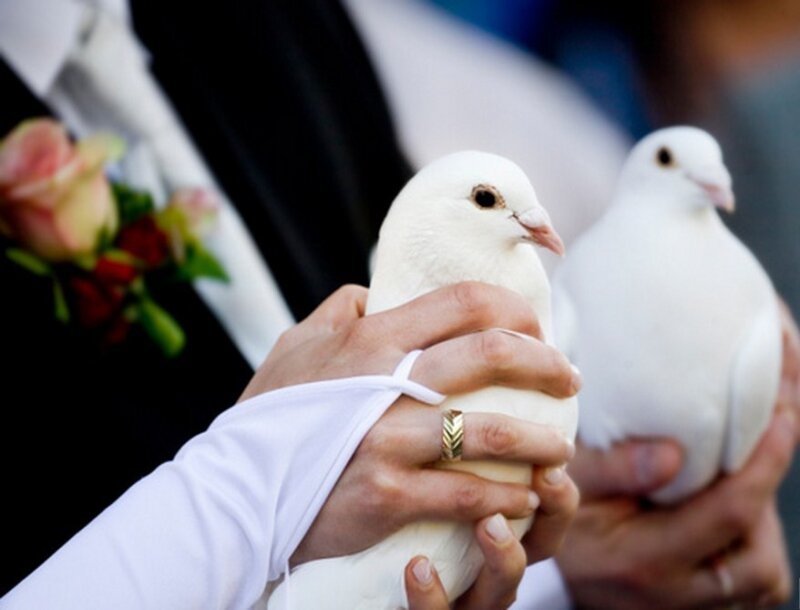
<point x="542" y="588"/>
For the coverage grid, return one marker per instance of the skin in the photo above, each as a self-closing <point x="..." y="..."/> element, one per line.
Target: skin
<point x="644" y="556"/>
<point x="388" y="483"/>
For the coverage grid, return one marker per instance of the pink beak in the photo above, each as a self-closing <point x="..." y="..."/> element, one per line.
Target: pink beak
<point x="716" y="182"/>
<point x="540" y="230"/>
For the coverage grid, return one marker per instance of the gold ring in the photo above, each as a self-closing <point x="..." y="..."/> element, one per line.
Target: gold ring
<point x="452" y="435"/>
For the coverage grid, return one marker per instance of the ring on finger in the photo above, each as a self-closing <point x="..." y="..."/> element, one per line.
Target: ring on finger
<point x="452" y="435"/>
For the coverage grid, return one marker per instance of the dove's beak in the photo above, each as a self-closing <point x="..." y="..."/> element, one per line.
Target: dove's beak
<point x="716" y="183"/>
<point x="540" y="230"/>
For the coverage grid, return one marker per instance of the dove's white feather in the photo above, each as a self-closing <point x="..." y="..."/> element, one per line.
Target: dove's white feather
<point x="671" y="320"/>
<point x="435" y="235"/>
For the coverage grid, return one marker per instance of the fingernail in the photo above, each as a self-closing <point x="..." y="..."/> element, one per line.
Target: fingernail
<point x="498" y="529"/>
<point x="533" y="500"/>
<point x="554" y="475"/>
<point x="577" y="379"/>
<point x="422" y="571"/>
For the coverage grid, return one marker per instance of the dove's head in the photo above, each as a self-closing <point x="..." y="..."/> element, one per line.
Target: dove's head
<point x="479" y="198"/>
<point x="679" y="165"/>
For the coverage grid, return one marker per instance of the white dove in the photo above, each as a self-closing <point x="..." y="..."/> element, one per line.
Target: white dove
<point x="468" y="216"/>
<point x="672" y="321"/>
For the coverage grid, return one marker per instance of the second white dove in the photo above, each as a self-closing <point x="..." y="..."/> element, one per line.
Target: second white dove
<point x="671" y="319"/>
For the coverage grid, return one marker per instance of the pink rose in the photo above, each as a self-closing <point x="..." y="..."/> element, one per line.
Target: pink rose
<point x="200" y="207"/>
<point x="190" y="214"/>
<point x="54" y="196"/>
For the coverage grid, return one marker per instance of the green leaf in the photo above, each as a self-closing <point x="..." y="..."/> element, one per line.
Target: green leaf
<point x="29" y="261"/>
<point x="87" y="262"/>
<point x="161" y="327"/>
<point x="119" y="256"/>
<point x="60" y="302"/>
<point x="201" y="263"/>
<point x="132" y="204"/>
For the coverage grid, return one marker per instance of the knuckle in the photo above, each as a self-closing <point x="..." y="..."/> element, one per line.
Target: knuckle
<point x="286" y="339"/>
<point x="571" y="499"/>
<point x="556" y="370"/>
<point x="498" y="437"/>
<point x="517" y="565"/>
<point x="469" y="497"/>
<point x="553" y="437"/>
<point x="472" y="299"/>
<point x="531" y="326"/>
<point x="358" y="334"/>
<point x="738" y="515"/>
<point x="508" y="599"/>
<point x="375" y="442"/>
<point x="765" y="577"/>
<point x="496" y="350"/>
<point x="644" y="579"/>
<point x="782" y="591"/>
<point x="384" y="492"/>
<point x="351" y="290"/>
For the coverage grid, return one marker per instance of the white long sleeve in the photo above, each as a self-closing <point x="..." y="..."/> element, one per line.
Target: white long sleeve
<point x="211" y="527"/>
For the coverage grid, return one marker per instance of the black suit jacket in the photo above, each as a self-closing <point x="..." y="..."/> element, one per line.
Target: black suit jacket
<point x="304" y="148"/>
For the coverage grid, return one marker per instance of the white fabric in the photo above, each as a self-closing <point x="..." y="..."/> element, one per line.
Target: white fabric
<point x="210" y="528"/>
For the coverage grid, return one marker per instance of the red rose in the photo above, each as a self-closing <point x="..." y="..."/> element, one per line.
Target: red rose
<point x="116" y="272"/>
<point x="146" y="241"/>
<point x="94" y="302"/>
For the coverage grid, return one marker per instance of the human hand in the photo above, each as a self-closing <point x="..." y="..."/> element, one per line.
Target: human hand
<point x="387" y="483"/>
<point x="497" y="582"/>
<point x="337" y="341"/>
<point x="643" y="556"/>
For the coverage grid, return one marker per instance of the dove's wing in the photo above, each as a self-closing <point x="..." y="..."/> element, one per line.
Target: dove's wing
<point x="754" y="383"/>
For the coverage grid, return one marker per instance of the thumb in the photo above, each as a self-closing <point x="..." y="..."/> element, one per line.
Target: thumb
<point x="631" y="468"/>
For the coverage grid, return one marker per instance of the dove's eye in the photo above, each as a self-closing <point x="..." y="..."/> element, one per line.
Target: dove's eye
<point x="664" y="157"/>
<point x="486" y="196"/>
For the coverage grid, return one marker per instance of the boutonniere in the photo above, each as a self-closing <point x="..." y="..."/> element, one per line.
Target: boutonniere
<point x="103" y="246"/>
